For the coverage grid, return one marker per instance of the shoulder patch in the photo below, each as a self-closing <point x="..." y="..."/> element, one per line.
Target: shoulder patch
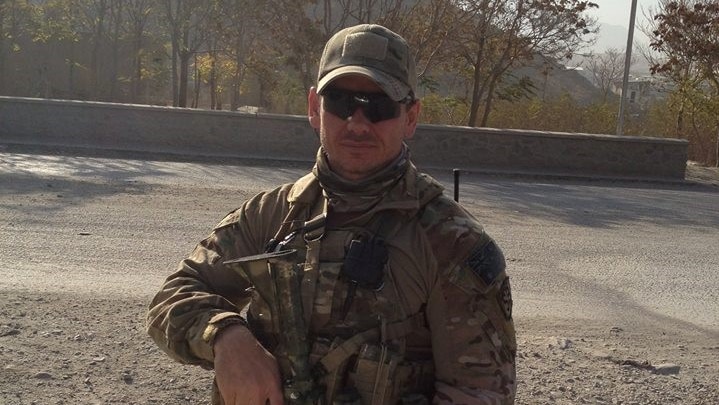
<point x="487" y="262"/>
<point x="505" y="299"/>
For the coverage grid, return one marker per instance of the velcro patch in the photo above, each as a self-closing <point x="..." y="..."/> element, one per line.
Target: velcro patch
<point x="487" y="262"/>
<point x="365" y="45"/>
<point x="505" y="299"/>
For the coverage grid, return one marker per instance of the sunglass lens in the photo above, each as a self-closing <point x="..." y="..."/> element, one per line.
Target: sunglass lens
<point x="380" y="108"/>
<point x="376" y="107"/>
<point x="338" y="102"/>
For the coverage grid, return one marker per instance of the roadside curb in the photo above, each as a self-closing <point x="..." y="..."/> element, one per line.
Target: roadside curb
<point x="112" y="153"/>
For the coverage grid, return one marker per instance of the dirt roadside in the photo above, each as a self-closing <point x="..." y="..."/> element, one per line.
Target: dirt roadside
<point x="702" y="175"/>
<point x="64" y="349"/>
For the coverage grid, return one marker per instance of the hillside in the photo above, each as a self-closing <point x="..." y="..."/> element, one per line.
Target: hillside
<point x="557" y="80"/>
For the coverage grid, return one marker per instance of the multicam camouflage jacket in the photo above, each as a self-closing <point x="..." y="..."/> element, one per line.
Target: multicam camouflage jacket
<point x="439" y="325"/>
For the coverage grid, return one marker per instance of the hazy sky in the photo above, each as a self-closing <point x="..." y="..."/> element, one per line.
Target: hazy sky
<point x="616" y="12"/>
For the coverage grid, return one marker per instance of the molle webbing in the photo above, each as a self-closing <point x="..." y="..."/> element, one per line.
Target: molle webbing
<point x="388" y="331"/>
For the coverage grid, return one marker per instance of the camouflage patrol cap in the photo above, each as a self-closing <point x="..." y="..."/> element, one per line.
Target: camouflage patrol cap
<point x="373" y="51"/>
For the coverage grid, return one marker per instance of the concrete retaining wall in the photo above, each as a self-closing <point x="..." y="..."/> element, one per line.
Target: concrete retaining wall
<point x="230" y="134"/>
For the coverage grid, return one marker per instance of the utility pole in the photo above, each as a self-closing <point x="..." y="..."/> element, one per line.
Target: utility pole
<point x="627" y="62"/>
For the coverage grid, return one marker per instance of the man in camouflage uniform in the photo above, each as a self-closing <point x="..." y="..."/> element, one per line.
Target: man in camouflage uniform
<point x="405" y="297"/>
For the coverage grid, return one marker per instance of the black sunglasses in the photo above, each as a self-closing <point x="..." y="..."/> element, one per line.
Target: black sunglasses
<point x="375" y="106"/>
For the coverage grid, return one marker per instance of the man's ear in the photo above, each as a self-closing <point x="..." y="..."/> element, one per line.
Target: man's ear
<point x="412" y="119"/>
<point x="313" y="108"/>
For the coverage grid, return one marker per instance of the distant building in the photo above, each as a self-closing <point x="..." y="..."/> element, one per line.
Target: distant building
<point x="643" y="91"/>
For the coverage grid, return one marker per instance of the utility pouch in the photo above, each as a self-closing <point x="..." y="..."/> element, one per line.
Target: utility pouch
<point x="332" y="380"/>
<point x="374" y="375"/>
<point x="384" y="377"/>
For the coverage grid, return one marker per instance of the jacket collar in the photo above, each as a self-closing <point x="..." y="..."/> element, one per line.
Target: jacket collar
<point x="408" y="195"/>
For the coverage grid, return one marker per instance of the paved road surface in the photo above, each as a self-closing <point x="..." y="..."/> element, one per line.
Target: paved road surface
<point x="624" y="253"/>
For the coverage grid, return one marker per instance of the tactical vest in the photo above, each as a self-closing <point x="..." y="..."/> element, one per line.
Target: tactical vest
<point x="359" y="352"/>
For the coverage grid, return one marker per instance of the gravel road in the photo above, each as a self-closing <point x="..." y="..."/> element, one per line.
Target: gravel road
<point x="615" y="286"/>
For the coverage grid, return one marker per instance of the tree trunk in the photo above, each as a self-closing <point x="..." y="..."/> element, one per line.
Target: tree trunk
<point x="175" y="75"/>
<point x="196" y="88"/>
<point x="680" y="121"/>
<point x="71" y="75"/>
<point x="95" y="53"/>
<point x="185" y="56"/>
<point x="2" y="67"/>
<point x="487" y="106"/>
<point x="117" y="12"/>
<point x="182" y="85"/>
<point x="214" y="102"/>
<point x="235" y="95"/>
<point x="2" y="52"/>
<point x="137" y="67"/>
<point x="477" y="93"/>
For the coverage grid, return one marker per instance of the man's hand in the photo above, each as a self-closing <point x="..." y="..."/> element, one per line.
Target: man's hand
<point x="246" y="373"/>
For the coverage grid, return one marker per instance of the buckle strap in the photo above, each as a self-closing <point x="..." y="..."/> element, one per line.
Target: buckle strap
<point x="337" y="356"/>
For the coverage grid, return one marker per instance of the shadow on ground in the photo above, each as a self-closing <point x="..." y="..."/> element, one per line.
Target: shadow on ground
<point x="600" y="204"/>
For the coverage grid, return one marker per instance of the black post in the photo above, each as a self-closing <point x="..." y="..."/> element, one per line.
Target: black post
<point x="456" y="184"/>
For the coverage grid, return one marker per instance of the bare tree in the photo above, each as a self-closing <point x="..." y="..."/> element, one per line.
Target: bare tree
<point x="99" y="21"/>
<point x="494" y="35"/>
<point x="16" y="23"/>
<point x="686" y="34"/>
<point x="59" y="22"/>
<point x="92" y="16"/>
<point x="117" y="17"/>
<point x="428" y="27"/>
<point x="295" y="36"/>
<point x="342" y="13"/>
<point x="138" y="14"/>
<point x="238" y="29"/>
<point x="186" y="20"/>
<point x="299" y="28"/>
<point x="607" y="70"/>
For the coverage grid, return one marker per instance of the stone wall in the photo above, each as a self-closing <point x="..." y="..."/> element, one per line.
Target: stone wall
<point x="189" y="132"/>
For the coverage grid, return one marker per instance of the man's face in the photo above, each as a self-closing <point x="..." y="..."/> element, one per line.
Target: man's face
<point x="356" y="147"/>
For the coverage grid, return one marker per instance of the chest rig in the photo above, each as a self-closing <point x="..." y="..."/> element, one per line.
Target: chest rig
<point x="355" y="323"/>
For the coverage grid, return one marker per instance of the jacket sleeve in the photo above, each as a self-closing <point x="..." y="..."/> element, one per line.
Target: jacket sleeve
<point x="470" y="313"/>
<point x="204" y="295"/>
